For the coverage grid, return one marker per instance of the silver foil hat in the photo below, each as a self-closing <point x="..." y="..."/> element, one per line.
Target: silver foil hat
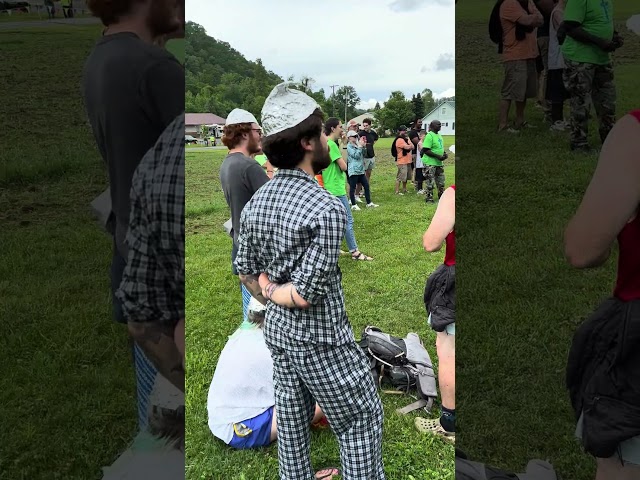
<point x="285" y="108"/>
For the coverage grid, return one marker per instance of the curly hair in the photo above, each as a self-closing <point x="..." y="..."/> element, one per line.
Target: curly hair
<point x="111" y="11"/>
<point x="232" y="134"/>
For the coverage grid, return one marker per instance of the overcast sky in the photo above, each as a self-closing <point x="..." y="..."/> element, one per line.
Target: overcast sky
<point x="376" y="46"/>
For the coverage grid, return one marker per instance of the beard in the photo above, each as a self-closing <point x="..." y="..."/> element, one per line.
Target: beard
<point x="254" y="146"/>
<point x="320" y="159"/>
<point x="164" y="18"/>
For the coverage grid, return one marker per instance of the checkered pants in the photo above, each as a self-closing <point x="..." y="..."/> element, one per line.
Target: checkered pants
<point x="338" y="379"/>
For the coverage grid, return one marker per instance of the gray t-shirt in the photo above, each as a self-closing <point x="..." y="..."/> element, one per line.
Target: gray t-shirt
<point x="240" y="177"/>
<point x="132" y="91"/>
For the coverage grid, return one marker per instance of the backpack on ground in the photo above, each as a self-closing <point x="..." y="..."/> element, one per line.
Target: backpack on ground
<point x="402" y="363"/>
<point x="469" y="470"/>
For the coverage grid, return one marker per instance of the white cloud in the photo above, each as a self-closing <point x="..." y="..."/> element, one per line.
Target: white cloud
<point x="449" y="92"/>
<point x="316" y="39"/>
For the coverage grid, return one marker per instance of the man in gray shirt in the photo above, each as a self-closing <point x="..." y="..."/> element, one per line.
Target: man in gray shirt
<point x="240" y="175"/>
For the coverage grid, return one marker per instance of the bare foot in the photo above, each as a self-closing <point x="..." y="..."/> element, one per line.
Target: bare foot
<point x="327" y="473"/>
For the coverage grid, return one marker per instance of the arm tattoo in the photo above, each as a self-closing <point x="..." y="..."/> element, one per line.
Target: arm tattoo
<point x="157" y="342"/>
<point x="251" y="282"/>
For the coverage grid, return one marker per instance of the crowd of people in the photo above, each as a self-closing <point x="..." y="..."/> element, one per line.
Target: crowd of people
<point x="305" y="368"/>
<point x="558" y="52"/>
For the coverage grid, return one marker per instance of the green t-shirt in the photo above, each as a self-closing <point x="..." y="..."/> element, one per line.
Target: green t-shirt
<point x="596" y="17"/>
<point x="261" y="159"/>
<point x="333" y="177"/>
<point x="434" y="142"/>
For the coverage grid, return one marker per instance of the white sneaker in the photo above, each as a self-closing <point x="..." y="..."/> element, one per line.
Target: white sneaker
<point x="559" y="126"/>
<point x="420" y="192"/>
<point x="358" y="199"/>
<point x="372" y="205"/>
<point x="355" y="207"/>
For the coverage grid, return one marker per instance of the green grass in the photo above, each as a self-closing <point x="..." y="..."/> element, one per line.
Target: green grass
<point x="386" y="292"/>
<point x="34" y="17"/>
<point x="68" y="397"/>
<point x="519" y="302"/>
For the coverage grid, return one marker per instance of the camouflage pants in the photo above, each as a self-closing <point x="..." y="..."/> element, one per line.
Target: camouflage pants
<point x="589" y="84"/>
<point x="434" y="176"/>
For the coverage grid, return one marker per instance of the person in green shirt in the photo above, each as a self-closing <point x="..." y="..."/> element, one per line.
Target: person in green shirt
<point x="433" y="155"/>
<point x="588" y="37"/>
<point x="334" y="178"/>
<point x="264" y="163"/>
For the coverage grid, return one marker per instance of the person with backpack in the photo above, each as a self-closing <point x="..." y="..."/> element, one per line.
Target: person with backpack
<point x="439" y="298"/>
<point x="602" y="370"/>
<point x="403" y="148"/>
<point x="512" y="26"/>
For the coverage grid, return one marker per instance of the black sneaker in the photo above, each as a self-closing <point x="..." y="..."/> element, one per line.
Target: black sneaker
<point x="429" y="200"/>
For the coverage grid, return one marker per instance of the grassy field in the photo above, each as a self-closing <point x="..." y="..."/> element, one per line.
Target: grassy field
<point x="68" y="397"/>
<point x="519" y="302"/>
<point x="386" y="292"/>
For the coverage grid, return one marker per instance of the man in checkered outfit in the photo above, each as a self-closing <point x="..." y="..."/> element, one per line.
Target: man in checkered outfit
<point x="289" y="244"/>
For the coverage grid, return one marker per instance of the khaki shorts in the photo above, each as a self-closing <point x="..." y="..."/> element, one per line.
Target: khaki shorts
<point x="520" y="80"/>
<point x="404" y="173"/>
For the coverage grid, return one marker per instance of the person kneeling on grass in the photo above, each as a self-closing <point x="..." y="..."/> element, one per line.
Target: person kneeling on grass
<point x="241" y="396"/>
<point x="355" y="168"/>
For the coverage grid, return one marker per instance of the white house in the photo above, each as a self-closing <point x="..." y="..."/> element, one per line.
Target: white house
<point x="446" y="113"/>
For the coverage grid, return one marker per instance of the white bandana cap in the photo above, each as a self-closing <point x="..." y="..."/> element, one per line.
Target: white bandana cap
<point x="285" y="108"/>
<point x="238" y="115"/>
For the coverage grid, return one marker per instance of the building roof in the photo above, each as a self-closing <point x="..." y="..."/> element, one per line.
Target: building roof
<point x="203" y="119"/>
<point x="360" y="118"/>
<point x="450" y="102"/>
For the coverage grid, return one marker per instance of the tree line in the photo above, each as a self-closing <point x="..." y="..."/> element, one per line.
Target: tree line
<point x="219" y="79"/>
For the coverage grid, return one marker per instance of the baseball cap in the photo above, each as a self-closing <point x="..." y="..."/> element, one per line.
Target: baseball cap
<point x="402" y="128"/>
<point x="352" y="134"/>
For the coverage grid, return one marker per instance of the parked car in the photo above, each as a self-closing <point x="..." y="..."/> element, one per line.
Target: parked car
<point x="190" y="139"/>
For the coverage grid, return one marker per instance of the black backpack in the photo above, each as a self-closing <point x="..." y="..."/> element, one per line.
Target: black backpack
<point x="495" y="26"/>
<point x="402" y="364"/>
<point x="394" y="151"/>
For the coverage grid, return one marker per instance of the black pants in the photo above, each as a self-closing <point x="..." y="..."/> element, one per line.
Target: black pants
<point x="118" y="264"/>
<point x="419" y="177"/>
<point x="353" y="181"/>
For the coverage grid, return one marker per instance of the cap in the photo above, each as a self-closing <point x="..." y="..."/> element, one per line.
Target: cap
<point x="255" y="306"/>
<point x="285" y="108"/>
<point x="401" y="128"/>
<point x="238" y="115"/>
<point x="352" y="134"/>
<point x="633" y="24"/>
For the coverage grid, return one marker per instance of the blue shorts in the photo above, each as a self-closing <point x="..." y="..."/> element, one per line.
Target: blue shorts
<point x="254" y="433"/>
<point x="450" y="329"/>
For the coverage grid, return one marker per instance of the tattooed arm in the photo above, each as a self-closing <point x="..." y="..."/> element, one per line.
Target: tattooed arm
<point x="158" y="342"/>
<point x="283" y="294"/>
<point x="252" y="284"/>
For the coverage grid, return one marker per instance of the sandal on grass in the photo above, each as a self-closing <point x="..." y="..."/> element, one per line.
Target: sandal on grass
<point x="327" y="473"/>
<point x="432" y="425"/>
<point x="358" y="255"/>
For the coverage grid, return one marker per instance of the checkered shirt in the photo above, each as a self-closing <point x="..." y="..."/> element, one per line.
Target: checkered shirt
<point x="292" y="229"/>
<point x="152" y="288"/>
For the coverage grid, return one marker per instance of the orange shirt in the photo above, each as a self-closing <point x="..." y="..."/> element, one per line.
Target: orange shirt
<point x="404" y="156"/>
<point x="514" y="49"/>
<point x="319" y="179"/>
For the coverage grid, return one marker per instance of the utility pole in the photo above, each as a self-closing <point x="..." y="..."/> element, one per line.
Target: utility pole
<point x="333" y="101"/>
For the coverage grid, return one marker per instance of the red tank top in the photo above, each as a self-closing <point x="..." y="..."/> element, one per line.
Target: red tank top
<point x="628" y="279"/>
<point x="450" y="246"/>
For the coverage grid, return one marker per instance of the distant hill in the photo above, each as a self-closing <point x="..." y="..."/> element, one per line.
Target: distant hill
<point x="219" y="78"/>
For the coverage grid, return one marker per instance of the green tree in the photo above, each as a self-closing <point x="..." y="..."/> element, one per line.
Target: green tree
<point x="428" y="101"/>
<point x="396" y="111"/>
<point x="346" y="100"/>
<point x="418" y="106"/>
